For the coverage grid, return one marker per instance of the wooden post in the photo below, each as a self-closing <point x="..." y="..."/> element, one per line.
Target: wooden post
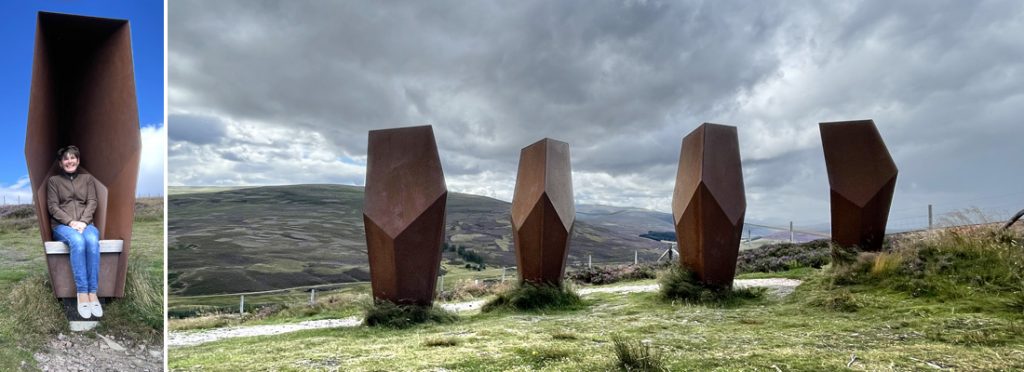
<point x="503" y="274"/>
<point x="791" y="237"/>
<point x="590" y="261"/>
<point x="312" y="296"/>
<point x="929" y="216"/>
<point x="241" y="306"/>
<point x="636" y="257"/>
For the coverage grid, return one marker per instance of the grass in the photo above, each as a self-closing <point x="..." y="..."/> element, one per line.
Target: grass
<point x="636" y="356"/>
<point x="385" y="314"/>
<point x="891" y="327"/>
<point x="797" y="273"/>
<point x="30" y="315"/>
<point x="679" y="284"/>
<point x="535" y="297"/>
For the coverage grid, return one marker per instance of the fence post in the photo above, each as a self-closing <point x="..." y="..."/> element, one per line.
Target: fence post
<point x="636" y="257"/>
<point x="241" y="306"/>
<point x="312" y="296"/>
<point x="503" y="274"/>
<point x="590" y="261"/>
<point x="441" y="289"/>
<point x="929" y="216"/>
<point x="791" y="237"/>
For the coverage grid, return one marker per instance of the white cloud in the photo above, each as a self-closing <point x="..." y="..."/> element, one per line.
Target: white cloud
<point x="151" y="166"/>
<point x="18" y="192"/>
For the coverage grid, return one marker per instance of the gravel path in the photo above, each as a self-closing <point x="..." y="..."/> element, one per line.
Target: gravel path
<point x="104" y="353"/>
<point x="779" y="287"/>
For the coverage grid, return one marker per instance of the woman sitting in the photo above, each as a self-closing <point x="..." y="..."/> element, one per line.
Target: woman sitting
<point x="71" y="201"/>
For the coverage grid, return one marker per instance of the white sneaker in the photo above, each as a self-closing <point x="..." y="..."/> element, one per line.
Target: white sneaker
<point x="84" y="309"/>
<point x="96" y="309"/>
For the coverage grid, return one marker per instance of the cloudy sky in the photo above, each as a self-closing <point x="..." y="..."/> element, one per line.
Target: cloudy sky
<point x="17" y="35"/>
<point x="284" y="92"/>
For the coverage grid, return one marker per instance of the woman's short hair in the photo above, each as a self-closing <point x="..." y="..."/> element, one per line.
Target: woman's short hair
<point x="68" y="150"/>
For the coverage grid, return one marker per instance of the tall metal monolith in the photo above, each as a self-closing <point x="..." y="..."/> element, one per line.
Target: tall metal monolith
<point x="403" y="213"/>
<point x="709" y="203"/>
<point x="861" y="178"/>
<point x="83" y="94"/>
<point x="543" y="212"/>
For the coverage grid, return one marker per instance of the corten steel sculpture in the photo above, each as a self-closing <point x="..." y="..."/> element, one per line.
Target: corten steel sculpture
<point x="862" y="178"/>
<point x="709" y="203"/>
<point x="403" y="213"/>
<point x="543" y="212"/>
<point x="83" y="94"/>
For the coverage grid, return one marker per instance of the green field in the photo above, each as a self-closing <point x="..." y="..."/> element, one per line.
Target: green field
<point x="943" y="300"/>
<point x="23" y="270"/>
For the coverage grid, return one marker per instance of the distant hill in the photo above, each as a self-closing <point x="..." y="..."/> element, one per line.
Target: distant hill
<point x="261" y="238"/>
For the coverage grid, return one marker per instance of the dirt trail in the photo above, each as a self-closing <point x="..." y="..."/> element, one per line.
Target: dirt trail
<point x="777" y="286"/>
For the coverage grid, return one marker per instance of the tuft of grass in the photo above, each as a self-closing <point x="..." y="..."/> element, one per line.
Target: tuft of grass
<point x="442" y="342"/>
<point x="678" y="283"/>
<point x="141" y="311"/>
<point x="37" y="315"/>
<point x="564" y="335"/>
<point x="840" y="300"/>
<point x="535" y="297"/>
<point x="636" y="356"/>
<point x="386" y="314"/>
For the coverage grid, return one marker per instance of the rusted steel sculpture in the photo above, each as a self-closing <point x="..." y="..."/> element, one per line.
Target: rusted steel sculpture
<point x="709" y="203"/>
<point x="862" y="178"/>
<point x="543" y="212"/>
<point x="83" y="94"/>
<point x="403" y="213"/>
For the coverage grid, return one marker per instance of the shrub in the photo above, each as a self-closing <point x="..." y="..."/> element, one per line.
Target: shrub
<point x="636" y="356"/>
<point x="389" y="315"/>
<point x="610" y="274"/>
<point x="783" y="256"/>
<point x="535" y="297"/>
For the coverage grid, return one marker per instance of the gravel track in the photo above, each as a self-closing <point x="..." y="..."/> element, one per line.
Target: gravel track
<point x="779" y="287"/>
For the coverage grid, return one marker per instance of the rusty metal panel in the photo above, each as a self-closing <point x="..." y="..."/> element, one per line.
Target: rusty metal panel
<point x="83" y="94"/>
<point x="543" y="212"/>
<point x="403" y="213"/>
<point x="709" y="203"/>
<point x="862" y="179"/>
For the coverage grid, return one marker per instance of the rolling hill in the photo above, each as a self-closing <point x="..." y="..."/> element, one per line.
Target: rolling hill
<point x="229" y="240"/>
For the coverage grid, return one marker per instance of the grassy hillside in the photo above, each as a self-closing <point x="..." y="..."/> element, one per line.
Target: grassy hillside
<point x="262" y="238"/>
<point x="29" y="314"/>
<point x="950" y="300"/>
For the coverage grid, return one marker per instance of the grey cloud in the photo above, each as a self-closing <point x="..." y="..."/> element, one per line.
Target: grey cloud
<point x="622" y="82"/>
<point x="197" y="129"/>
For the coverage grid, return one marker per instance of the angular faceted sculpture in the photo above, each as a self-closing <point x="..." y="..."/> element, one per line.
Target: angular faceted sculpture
<point x="709" y="203"/>
<point x="861" y="178"/>
<point x="403" y="213"/>
<point x="543" y="212"/>
<point x="83" y="94"/>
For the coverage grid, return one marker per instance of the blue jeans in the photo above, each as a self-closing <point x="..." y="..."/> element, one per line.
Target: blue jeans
<point x="85" y="255"/>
